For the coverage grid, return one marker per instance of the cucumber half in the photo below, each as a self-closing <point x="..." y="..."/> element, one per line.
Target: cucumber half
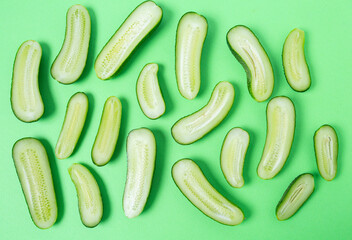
<point x="135" y="28"/>
<point x="250" y="53"/>
<point x="26" y="101"/>
<point x="191" y="181"/>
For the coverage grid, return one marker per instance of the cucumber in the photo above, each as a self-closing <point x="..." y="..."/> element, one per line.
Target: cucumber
<point x="149" y="95"/>
<point x="295" y="195"/>
<point x="69" y="64"/>
<point x="108" y="133"/>
<point x="90" y="203"/>
<point x="232" y="157"/>
<point x="191" y="181"/>
<point x="141" y="151"/>
<point x="191" y="33"/>
<point x="76" y="113"/>
<point x="294" y="62"/>
<point x="33" y="170"/>
<point x="26" y="101"/>
<point x="326" y="149"/>
<point x="134" y="29"/>
<point x="250" y="53"/>
<point x="280" y="115"/>
<point x="193" y="127"/>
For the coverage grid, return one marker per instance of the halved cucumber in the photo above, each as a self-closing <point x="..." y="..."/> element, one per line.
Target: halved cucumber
<point x="33" y="170"/>
<point x="294" y="61"/>
<point x="280" y="115"/>
<point x="134" y="29"/>
<point x="191" y="32"/>
<point x="232" y="157"/>
<point x="326" y="148"/>
<point x="149" y="94"/>
<point x="141" y="151"/>
<point x="90" y="203"/>
<point x="69" y="64"/>
<point x="26" y="101"/>
<point x="193" y="127"/>
<point x="191" y="181"/>
<point x="255" y="61"/>
<point x="76" y="113"/>
<point x="108" y="133"/>
<point x="295" y="195"/>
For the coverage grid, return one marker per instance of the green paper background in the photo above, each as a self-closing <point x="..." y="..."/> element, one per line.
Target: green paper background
<point x="168" y="214"/>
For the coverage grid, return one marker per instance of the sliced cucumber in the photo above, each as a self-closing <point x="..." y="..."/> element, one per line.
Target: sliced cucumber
<point x="141" y="151"/>
<point x="232" y="157"/>
<point x="90" y="203"/>
<point x="108" y="133"/>
<point x="191" y="181"/>
<point x="280" y="115"/>
<point x="255" y="61"/>
<point x="149" y="94"/>
<point x="76" y="113"/>
<point x="69" y="64"/>
<point x="33" y="170"/>
<point x="26" y="101"/>
<point x="326" y="148"/>
<point x="193" y="127"/>
<point x="294" y="61"/>
<point x="191" y="32"/>
<point x="135" y="28"/>
<point x="295" y="195"/>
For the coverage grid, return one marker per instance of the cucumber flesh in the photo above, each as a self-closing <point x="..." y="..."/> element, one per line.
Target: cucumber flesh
<point x="193" y="127"/>
<point x="33" y="170"/>
<point x="191" y="32"/>
<point x="135" y="28"/>
<point x="191" y="181"/>
<point x="26" y="101"/>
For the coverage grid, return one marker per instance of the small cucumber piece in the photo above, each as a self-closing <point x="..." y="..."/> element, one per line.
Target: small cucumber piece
<point x="76" y="113"/>
<point x="232" y="157"/>
<point x="90" y="203"/>
<point x="193" y="127"/>
<point x="69" y="64"/>
<point x="108" y="133"/>
<point x="326" y="148"/>
<point x="280" y="114"/>
<point x="134" y="29"/>
<point x="191" y="181"/>
<point x="26" y="101"/>
<point x="294" y="61"/>
<point x="250" y="53"/>
<point x="141" y="151"/>
<point x="295" y="195"/>
<point x="149" y="94"/>
<point x="33" y="170"/>
<point x="191" y="32"/>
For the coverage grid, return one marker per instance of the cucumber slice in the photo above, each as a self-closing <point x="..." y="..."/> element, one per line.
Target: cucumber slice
<point x="135" y="28"/>
<point x="33" y="170"/>
<point x="69" y="64"/>
<point x="26" y="101"/>
<point x="280" y="115"/>
<point x="250" y="53"/>
<point x="295" y="195"/>
<point x="141" y="151"/>
<point x="76" y="113"/>
<point x="232" y="157"/>
<point x="191" y="32"/>
<point x="326" y="148"/>
<point x="294" y="61"/>
<point x="90" y="203"/>
<point x="108" y="133"/>
<point x="191" y="181"/>
<point x="193" y="127"/>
